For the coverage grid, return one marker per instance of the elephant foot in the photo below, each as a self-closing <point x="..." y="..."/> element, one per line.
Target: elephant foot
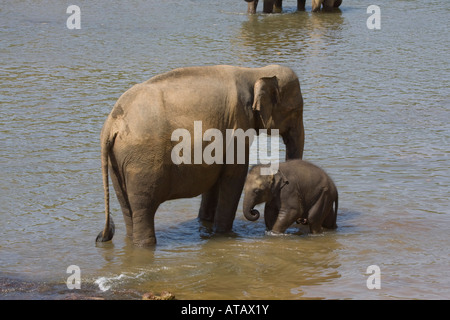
<point x="146" y="243"/>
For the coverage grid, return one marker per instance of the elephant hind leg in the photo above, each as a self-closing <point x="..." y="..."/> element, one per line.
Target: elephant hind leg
<point x="268" y="6"/>
<point x="316" y="4"/>
<point x="252" y="5"/>
<point x="122" y="197"/>
<point x="319" y="211"/>
<point x="278" y="6"/>
<point x="337" y="3"/>
<point x="209" y="204"/>
<point x="330" y="220"/>
<point x="329" y="5"/>
<point x="143" y="203"/>
<point x="301" y="5"/>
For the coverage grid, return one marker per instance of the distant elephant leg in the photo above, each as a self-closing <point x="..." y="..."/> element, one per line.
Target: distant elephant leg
<point x="231" y="184"/>
<point x="316" y="4"/>
<point x="301" y="5"/>
<point x="319" y="210"/>
<point x="328" y="5"/>
<point x="268" y="6"/>
<point x="209" y="204"/>
<point x="251" y="6"/>
<point x="337" y="3"/>
<point x="278" y="6"/>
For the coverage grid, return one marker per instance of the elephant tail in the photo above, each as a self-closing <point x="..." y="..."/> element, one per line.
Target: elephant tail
<point x="336" y="202"/>
<point x="107" y="142"/>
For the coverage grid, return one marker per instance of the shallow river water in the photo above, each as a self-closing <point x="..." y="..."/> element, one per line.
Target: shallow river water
<point x="377" y="111"/>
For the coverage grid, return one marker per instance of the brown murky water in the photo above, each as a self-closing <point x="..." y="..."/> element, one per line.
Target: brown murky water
<point x="377" y="106"/>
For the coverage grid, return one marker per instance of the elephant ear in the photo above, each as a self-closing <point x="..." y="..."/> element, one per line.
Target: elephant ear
<point x="266" y="98"/>
<point x="279" y="181"/>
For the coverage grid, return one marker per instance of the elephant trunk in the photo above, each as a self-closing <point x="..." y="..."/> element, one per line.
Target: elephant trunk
<point x="249" y="212"/>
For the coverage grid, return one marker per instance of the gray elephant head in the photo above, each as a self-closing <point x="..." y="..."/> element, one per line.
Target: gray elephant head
<point x="278" y="104"/>
<point x="261" y="188"/>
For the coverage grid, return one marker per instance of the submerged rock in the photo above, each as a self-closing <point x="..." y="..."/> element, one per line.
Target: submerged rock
<point x="165" y="295"/>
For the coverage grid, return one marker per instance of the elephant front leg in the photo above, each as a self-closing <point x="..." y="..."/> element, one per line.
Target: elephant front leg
<point x="316" y="4"/>
<point x="231" y="184"/>
<point x="278" y="6"/>
<point x="251" y="6"/>
<point x="286" y="217"/>
<point x="268" y="6"/>
<point x="291" y="209"/>
<point x="271" y="210"/>
<point x="301" y="5"/>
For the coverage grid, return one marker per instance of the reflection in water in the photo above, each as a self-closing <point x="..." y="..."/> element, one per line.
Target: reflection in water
<point x="245" y="262"/>
<point x="294" y="35"/>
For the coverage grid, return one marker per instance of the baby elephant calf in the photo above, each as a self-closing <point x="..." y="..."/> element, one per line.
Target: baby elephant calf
<point x="298" y="192"/>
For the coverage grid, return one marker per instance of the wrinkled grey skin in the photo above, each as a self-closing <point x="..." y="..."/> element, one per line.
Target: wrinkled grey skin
<point x="277" y="5"/>
<point x="136" y="140"/>
<point x="298" y="192"/>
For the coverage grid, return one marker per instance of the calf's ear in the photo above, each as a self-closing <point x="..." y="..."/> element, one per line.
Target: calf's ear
<point x="279" y="181"/>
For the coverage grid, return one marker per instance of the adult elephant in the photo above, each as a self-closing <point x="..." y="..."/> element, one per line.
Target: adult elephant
<point x="276" y="5"/>
<point x="269" y="5"/>
<point x="327" y="5"/>
<point x="137" y="140"/>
